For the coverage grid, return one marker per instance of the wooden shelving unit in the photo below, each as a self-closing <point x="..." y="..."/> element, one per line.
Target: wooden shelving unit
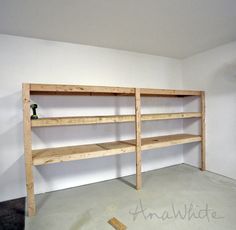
<point x="69" y="153"/>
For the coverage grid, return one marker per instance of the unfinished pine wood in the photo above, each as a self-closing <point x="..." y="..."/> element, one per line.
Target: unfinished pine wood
<point x="48" y="89"/>
<point x="138" y="139"/>
<point x="79" y="152"/>
<point x="168" y="92"/>
<point x="61" y="154"/>
<point x="203" y="134"/>
<point x="116" y="224"/>
<point x="166" y="141"/>
<point x="28" y="151"/>
<point x="169" y="116"/>
<point x="82" y="120"/>
<point x="55" y="89"/>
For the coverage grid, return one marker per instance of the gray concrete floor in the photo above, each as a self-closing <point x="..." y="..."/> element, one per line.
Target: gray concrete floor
<point x="177" y="197"/>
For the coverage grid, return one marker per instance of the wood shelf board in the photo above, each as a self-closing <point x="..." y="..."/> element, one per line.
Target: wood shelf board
<point x="82" y="120"/>
<point x="169" y="116"/>
<point x="61" y="154"/>
<point x="168" y="140"/>
<point x="169" y="92"/>
<point x="60" y="89"/>
<point x="54" y="89"/>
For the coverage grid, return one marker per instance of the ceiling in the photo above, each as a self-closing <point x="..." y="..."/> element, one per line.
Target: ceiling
<point x="173" y="28"/>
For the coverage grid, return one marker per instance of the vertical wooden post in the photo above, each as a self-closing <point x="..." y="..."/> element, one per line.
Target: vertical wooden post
<point x="138" y="138"/>
<point x="203" y="133"/>
<point x="28" y="150"/>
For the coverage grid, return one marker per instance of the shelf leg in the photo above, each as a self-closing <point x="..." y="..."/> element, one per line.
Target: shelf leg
<point x="28" y="151"/>
<point x="203" y="132"/>
<point x="138" y="138"/>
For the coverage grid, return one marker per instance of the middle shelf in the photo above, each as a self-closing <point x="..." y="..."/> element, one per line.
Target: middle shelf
<point x="84" y="120"/>
<point x="60" y="154"/>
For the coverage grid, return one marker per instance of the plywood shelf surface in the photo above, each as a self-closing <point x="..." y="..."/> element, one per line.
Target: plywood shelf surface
<point x="56" y="89"/>
<point x="54" y="155"/>
<point x="82" y="120"/>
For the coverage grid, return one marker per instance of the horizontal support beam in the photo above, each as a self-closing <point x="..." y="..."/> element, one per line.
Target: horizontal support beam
<point x="57" y="89"/>
<point x="48" y="89"/>
<point x="82" y="120"/>
<point x="169" y="92"/>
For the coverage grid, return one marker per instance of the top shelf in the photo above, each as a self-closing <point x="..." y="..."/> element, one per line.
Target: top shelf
<point x="52" y="89"/>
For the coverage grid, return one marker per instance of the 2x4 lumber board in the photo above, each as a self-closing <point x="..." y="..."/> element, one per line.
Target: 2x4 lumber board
<point x="138" y="139"/>
<point x="59" y="121"/>
<point x="203" y="132"/>
<point x="169" y="116"/>
<point x="168" y="92"/>
<point x="79" y="152"/>
<point x="48" y="89"/>
<point x="116" y="224"/>
<point x="28" y="150"/>
<point x="51" y="89"/>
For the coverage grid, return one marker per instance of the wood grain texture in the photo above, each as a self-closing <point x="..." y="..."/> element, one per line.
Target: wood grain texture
<point x="54" y="89"/>
<point x="138" y="139"/>
<point x="79" y="152"/>
<point x="28" y="150"/>
<point x="82" y="120"/>
<point x="203" y="132"/>
<point x="78" y="89"/>
<point x="116" y="224"/>
<point x="168" y="92"/>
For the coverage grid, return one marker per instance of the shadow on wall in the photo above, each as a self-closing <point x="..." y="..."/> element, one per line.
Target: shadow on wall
<point x="192" y="154"/>
<point x="191" y="104"/>
<point x="12" y="180"/>
<point x="224" y="79"/>
<point x="11" y="132"/>
<point x="12" y="176"/>
<point x="221" y="118"/>
<point x="83" y="171"/>
<point x="82" y="105"/>
<point x="11" y="142"/>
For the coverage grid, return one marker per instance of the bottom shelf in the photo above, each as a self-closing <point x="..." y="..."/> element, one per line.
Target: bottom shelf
<point x="54" y="155"/>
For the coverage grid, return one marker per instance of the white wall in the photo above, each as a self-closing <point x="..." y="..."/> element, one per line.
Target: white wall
<point x="32" y="60"/>
<point x="215" y="72"/>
